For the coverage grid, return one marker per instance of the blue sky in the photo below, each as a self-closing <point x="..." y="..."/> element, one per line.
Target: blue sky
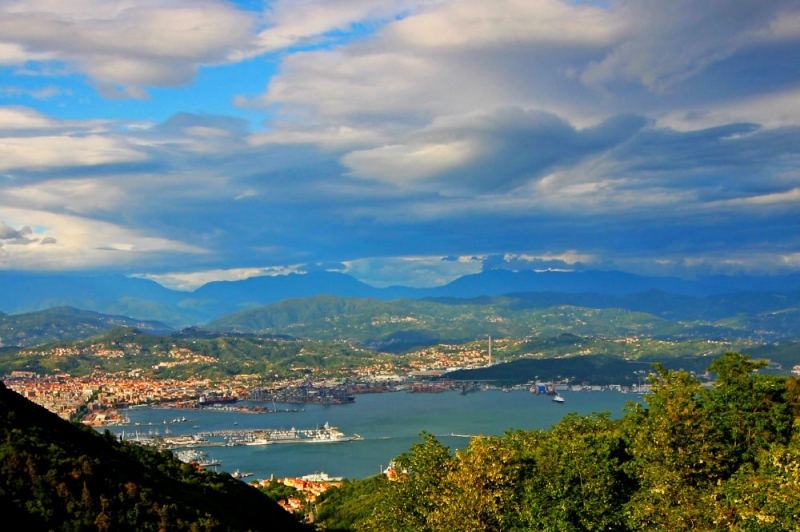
<point x="401" y="141"/>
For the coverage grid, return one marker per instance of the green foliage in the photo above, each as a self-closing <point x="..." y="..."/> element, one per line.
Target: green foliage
<point x="598" y="369"/>
<point x="691" y="440"/>
<point x="572" y="477"/>
<point x="569" y="478"/>
<point x="690" y="458"/>
<point x="765" y="495"/>
<point x="349" y="505"/>
<point x="277" y="490"/>
<point x="413" y="502"/>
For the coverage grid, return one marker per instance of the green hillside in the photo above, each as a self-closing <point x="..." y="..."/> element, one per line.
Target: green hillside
<point x="58" y="476"/>
<point x="196" y="352"/>
<point x="595" y="369"/>
<point x="64" y="323"/>
<point x="404" y="324"/>
<point x="187" y="353"/>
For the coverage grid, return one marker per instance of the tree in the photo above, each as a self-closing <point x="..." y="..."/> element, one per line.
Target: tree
<point x="409" y="503"/>
<point x="752" y="411"/>
<point x="573" y="477"/>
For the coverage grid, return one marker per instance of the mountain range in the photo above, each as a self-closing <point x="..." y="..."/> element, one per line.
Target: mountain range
<point x="144" y="299"/>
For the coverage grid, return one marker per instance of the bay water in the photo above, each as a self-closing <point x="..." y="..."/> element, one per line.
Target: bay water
<point x="390" y="424"/>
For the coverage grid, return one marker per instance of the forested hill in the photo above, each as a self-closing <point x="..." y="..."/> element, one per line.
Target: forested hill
<point x="64" y="323"/>
<point x="403" y="324"/>
<point x="58" y="476"/>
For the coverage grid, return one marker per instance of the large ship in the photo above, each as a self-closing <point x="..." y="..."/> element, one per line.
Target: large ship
<point x="326" y="434"/>
<point x="206" y="400"/>
<point x="330" y="434"/>
<point x="193" y="456"/>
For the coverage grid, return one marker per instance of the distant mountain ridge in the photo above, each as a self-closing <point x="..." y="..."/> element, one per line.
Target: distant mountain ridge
<point x="145" y="299"/>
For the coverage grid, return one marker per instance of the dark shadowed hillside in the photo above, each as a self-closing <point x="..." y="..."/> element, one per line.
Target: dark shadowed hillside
<point x="58" y="476"/>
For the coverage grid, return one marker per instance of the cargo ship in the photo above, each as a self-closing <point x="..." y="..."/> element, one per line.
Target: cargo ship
<point x="206" y="400"/>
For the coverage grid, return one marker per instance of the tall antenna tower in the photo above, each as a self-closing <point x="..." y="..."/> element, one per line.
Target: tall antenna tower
<point x="490" y="350"/>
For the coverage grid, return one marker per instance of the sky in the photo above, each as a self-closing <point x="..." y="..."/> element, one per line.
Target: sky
<point x="399" y="141"/>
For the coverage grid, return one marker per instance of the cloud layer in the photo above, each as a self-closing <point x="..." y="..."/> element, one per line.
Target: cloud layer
<point x="390" y="134"/>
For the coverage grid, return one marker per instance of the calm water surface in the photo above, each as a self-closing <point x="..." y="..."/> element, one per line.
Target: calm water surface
<point x="389" y="423"/>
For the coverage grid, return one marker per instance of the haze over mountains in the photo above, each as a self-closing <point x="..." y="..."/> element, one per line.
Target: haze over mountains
<point x="147" y="300"/>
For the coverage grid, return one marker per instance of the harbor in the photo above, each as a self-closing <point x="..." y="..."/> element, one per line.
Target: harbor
<point x="387" y="423"/>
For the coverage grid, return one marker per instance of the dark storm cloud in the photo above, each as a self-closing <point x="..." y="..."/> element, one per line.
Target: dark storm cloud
<point x="499" y="151"/>
<point x="525" y="145"/>
<point x="9" y="235"/>
<point x="733" y="161"/>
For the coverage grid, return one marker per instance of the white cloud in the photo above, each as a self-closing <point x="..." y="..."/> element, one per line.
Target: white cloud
<point x="24" y="118"/>
<point x="403" y="163"/>
<point x="571" y="256"/>
<point x="477" y="24"/>
<point x="461" y="111"/>
<point x="415" y="271"/>
<point x="779" y="109"/>
<point x="337" y="84"/>
<point x="81" y="196"/>
<point x="191" y="280"/>
<point x="293" y="22"/>
<point x="39" y="94"/>
<point x="665" y="43"/>
<point x="335" y="137"/>
<point x="785" y="27"/>
<point x="580" y="61"/>
<point x="80" y="243"/>
<point x="124" y="42"/>
<point x="63" y="151"/>
<point x="16" y="54"/>
<point x="789" y="198"/>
